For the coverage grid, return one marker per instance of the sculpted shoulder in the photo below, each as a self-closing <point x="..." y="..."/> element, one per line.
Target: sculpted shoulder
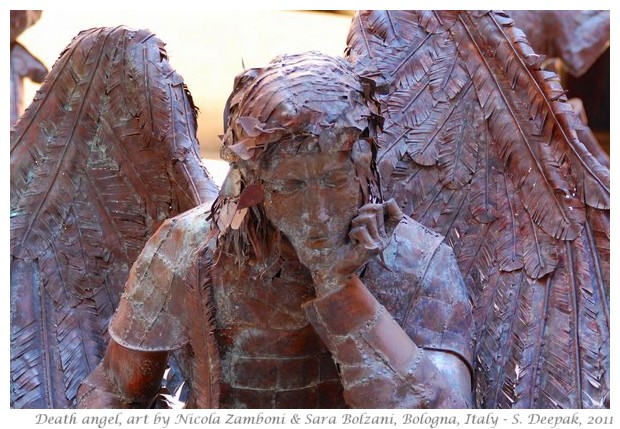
<point x="418" y="280"/>
<point x="187" y="232"/>
<point x="395" y="276"/>
<point x="150" y="313"/>
<point x="412" y="248"/>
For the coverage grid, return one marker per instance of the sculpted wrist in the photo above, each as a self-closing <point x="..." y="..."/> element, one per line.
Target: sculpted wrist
<point x="353" y="313"/>
<point x="343" y="310"/>
<point x="326" y="283"/>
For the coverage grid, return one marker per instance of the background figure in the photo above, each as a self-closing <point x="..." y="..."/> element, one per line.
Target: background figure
<point x="577" y="38"/>
<point x="576" y="44"/>
<point x="23" y="63"/>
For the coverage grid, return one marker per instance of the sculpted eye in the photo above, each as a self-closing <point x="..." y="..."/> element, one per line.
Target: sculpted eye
<point x="335" y="179"/>
<point x="286" y="186"/>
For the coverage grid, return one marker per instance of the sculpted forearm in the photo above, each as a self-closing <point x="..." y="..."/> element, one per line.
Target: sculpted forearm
<point x="381" y="367"/>
<point x="124" y="379"/>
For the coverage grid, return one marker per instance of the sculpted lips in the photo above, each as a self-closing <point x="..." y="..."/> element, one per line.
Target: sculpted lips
<point x="318" y="238"/>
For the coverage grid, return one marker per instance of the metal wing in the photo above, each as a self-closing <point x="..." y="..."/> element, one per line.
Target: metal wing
<point x="104" y="154"/>
<point x="479" y="145"/>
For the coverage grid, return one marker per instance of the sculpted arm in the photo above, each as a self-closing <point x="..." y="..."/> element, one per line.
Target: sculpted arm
<point x="381" y="366"/>
<point x="125" y="378"/>
<point x="148" y="323"/>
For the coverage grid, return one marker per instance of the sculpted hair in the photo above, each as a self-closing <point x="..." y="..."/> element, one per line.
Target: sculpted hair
<point x="298" y="103"/>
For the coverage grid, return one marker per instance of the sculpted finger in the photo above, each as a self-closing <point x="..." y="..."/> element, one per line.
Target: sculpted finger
<point x="392" y="209"/>
<point x="362" y="237"/>
<point x="378" y="212"/>
<point x="393" y="215"/>
<point x="368" y="221"/>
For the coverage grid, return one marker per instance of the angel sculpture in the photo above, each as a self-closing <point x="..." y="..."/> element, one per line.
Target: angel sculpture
<point x="263" y="293"/>
<point x="477" y="144"/>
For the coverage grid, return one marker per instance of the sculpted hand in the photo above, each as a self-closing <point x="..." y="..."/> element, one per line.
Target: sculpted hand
<point x="371" y="231"/>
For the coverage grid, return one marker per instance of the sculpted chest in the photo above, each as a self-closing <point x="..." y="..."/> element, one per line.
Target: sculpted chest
<point x="270" y="355"/>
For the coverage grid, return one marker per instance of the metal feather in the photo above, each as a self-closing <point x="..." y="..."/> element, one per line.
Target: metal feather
<point x="104" y="154"/>
<point x="204" y="347"/>
<point x="495" y="164"/>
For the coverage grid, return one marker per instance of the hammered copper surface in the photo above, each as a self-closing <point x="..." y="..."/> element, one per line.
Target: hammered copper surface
<point x="304" y="284"/>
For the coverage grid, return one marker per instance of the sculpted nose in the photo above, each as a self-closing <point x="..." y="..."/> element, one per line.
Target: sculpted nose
<point x="318" y="213"/>
<point x="316" y="206"/>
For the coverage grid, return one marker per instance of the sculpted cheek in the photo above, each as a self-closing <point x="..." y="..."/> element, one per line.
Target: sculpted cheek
<point x="280" y="211"/>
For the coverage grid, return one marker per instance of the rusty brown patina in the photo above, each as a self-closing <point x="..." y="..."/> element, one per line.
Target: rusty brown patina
<point x="417" y="225"/>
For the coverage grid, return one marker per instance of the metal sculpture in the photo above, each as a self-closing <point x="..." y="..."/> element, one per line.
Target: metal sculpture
<point x="477" y="144"/>
<point x="105" y="153"/>
<point x="299" y="267"/>
<point x="480" y="145"/>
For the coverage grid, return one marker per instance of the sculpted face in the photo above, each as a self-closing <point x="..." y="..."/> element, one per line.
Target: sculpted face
<point x="303" y="131"/>
<point x="311" y="197"/>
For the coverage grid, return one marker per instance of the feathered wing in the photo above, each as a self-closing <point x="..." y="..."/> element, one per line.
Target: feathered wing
<point x="479" y="145"/>
<point x="104" y="154"/>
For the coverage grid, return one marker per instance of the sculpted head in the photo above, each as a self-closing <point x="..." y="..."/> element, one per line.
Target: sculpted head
<point x="301" y="141"/>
